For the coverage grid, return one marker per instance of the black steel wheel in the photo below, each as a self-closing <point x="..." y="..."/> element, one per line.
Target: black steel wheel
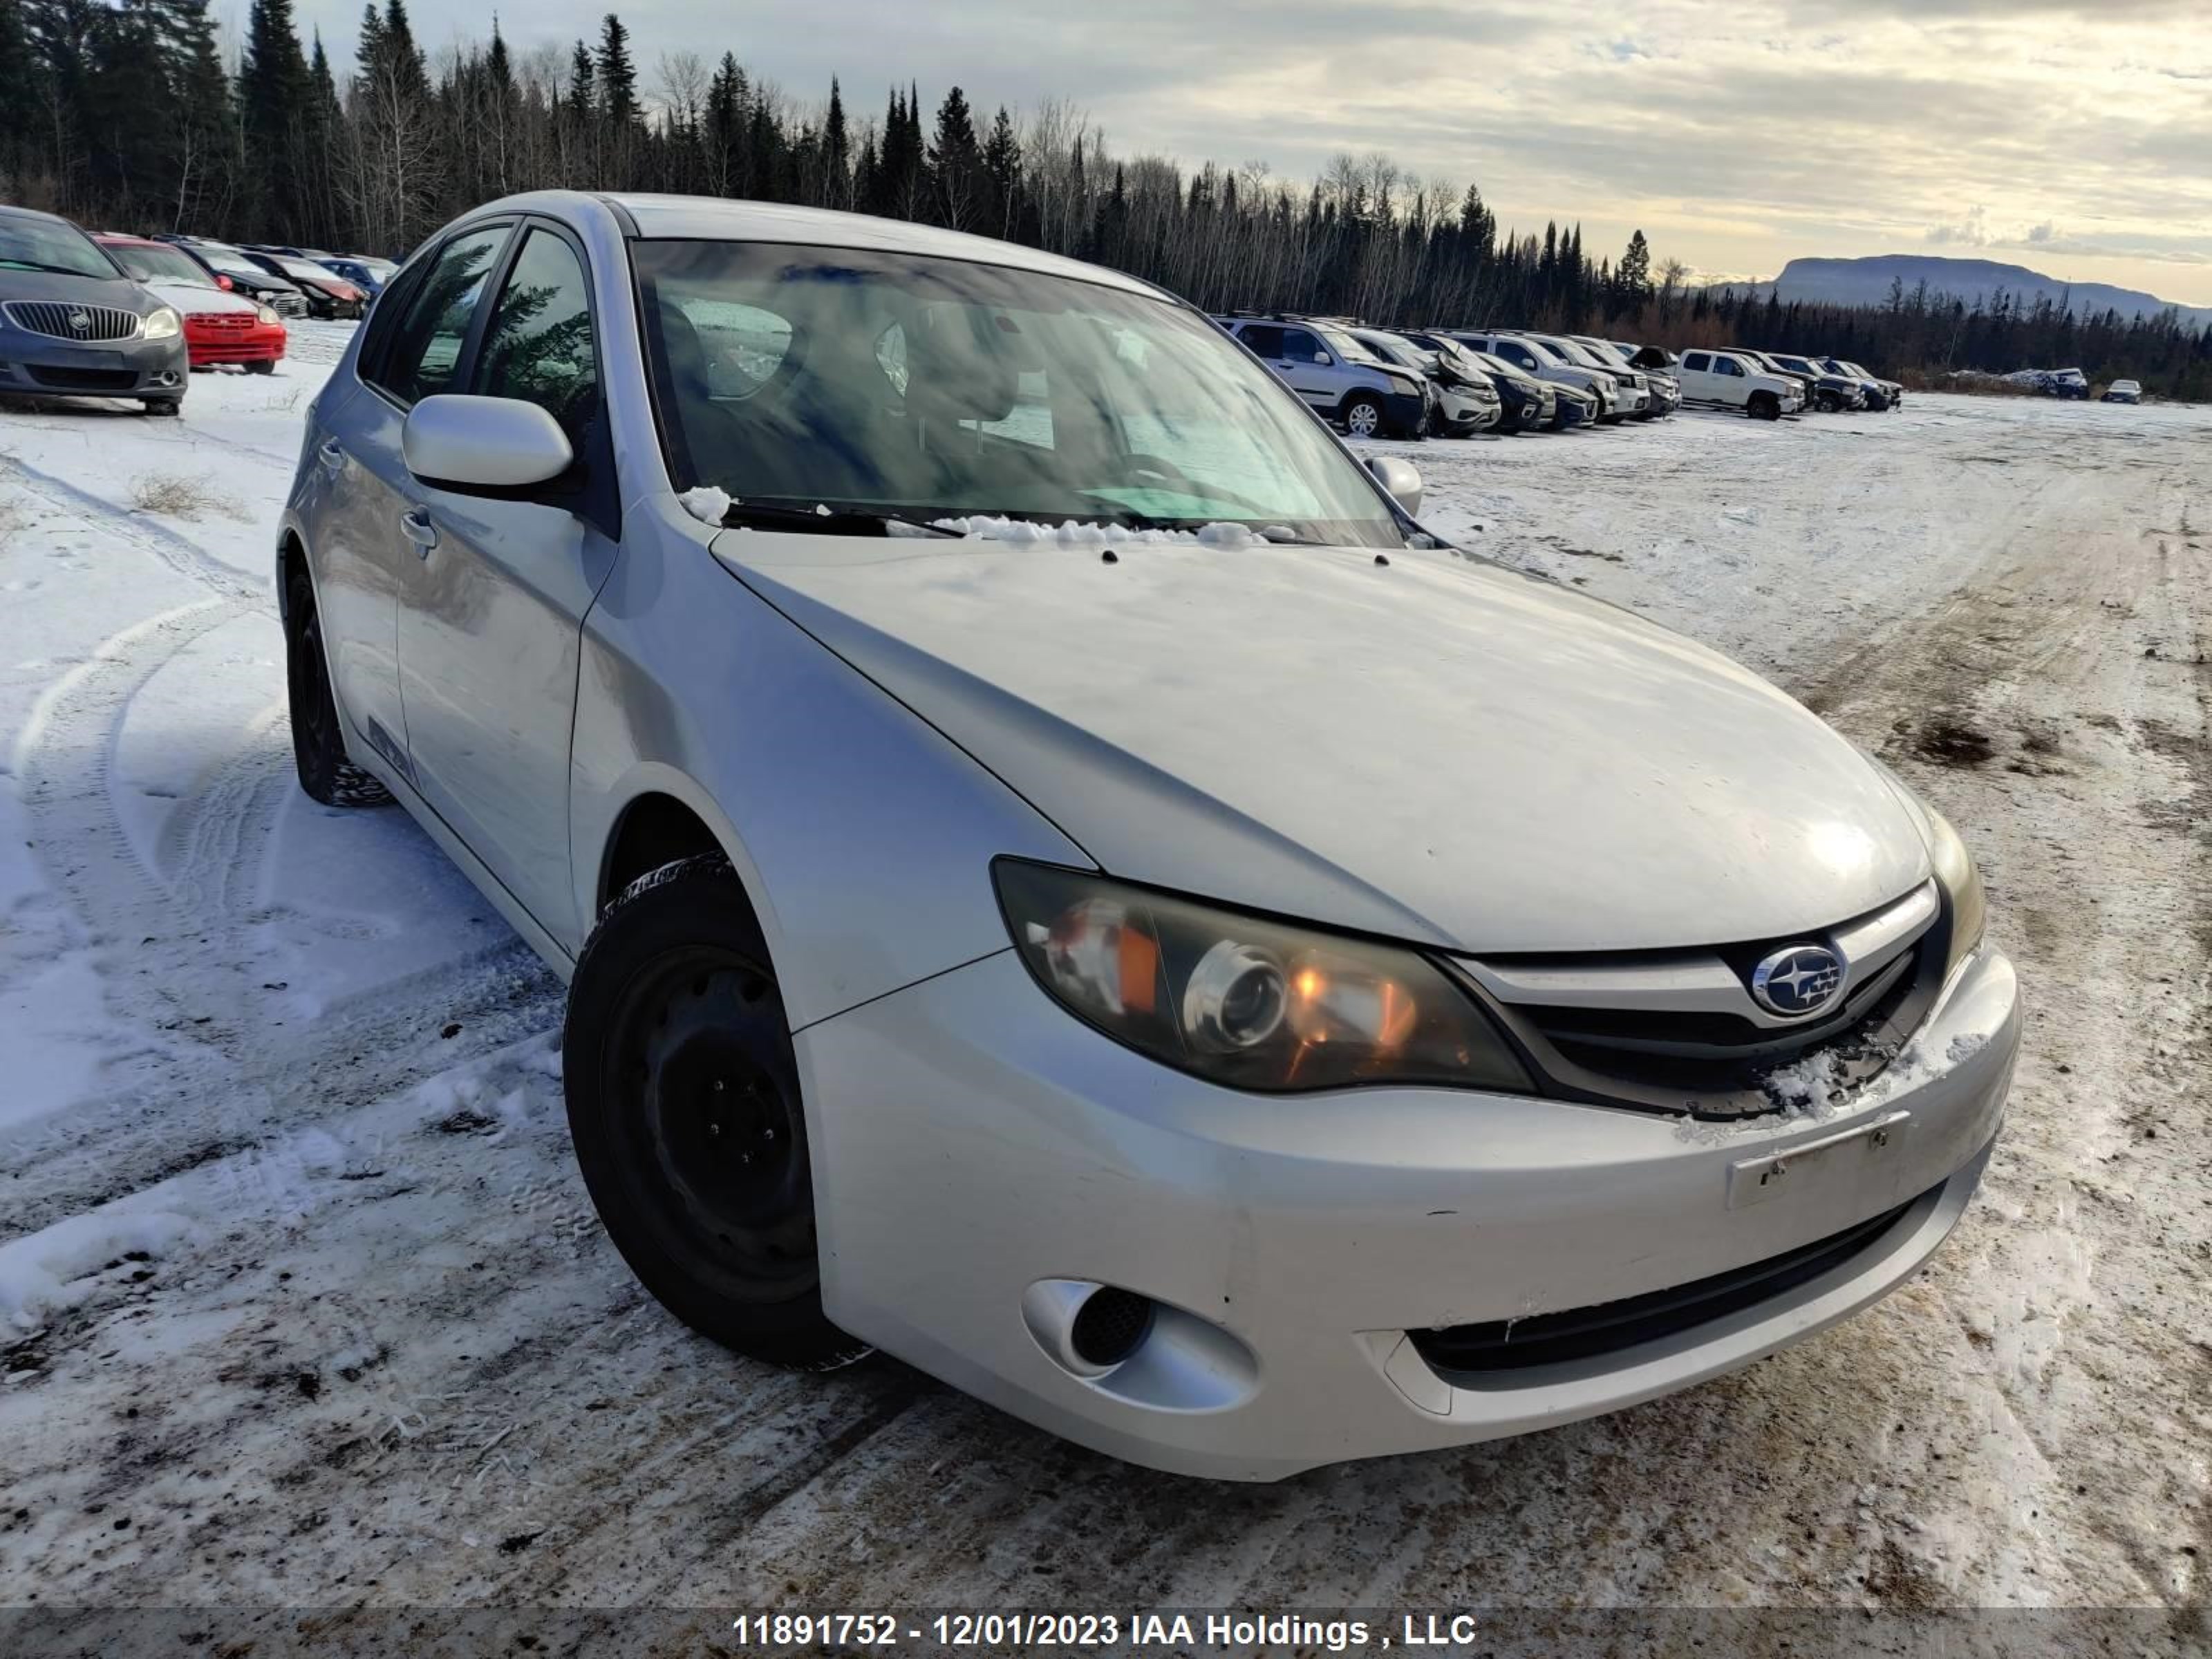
<point x="318" y="753"/>
<point x="685" y="1107"/>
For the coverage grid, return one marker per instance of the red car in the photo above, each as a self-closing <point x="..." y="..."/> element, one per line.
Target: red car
<point x="220" y="327"/>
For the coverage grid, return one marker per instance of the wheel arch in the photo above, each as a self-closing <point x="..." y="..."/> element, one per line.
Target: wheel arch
<point x="664" y="816"/>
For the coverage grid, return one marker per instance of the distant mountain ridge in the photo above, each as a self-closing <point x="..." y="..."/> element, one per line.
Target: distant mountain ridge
<point x="1867" y="283"/>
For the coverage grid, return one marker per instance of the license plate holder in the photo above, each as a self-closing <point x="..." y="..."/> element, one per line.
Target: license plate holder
<point x="1864" y="1153"/>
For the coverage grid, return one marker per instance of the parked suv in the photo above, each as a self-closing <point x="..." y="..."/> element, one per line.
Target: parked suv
<point x="1727" y="379"/>
<point x="997" y="775"/>
<point x="1832" y="394"/>
<point x="1525" y="404"/>
<point x="1337" y="375"/>
<point x="1889" y="394"/>
<point x="1464" y="402"/>
<point x="1632" y="391"/>
<point x="1533" y="358"/>
<point x="72" y="322"/>
<point x="1663" y="390"/>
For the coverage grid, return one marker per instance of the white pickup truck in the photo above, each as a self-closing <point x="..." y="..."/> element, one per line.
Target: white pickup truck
<point x="1727" y="379"/>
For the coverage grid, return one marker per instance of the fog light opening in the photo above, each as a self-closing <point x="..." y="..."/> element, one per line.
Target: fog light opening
<point x="1110" y="1325"/>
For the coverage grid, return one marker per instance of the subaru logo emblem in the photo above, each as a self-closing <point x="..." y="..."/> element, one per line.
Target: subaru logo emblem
<point x="1797" y="979"/>
<point x="81" y="321"/>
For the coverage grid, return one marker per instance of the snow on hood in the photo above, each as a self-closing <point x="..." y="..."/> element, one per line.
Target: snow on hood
<point x="190" y="297"/>
<point x="1434" y="749"/>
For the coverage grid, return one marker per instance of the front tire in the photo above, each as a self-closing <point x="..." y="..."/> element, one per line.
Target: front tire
<point x="318" y="738"/>
<point x="170" y="406"/>
<point x="1362" y="416"/>
<point x="685" y="1109"/>
<point x="1764" y="406"/>
<point x="262" y="366"/>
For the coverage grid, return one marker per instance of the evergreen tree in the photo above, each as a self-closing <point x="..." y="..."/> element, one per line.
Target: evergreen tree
<point x="1002" y="166"/>
<point x="1635" y="274"/>
<point x="275" y="95"/>
<point x="836" y="151"/>
<point x="956" y="162"/>
<point x="618" y="104"/>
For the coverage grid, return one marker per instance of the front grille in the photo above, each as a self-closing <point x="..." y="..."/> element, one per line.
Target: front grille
<point x="1577" y="1333"/>
<point x="53" y="318"/>
<point x="237" y="322"/>
<point x="1679" y="1032"/>
<point x="83" y="379"/>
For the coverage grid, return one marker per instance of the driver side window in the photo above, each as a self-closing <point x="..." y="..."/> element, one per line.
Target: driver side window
<point x="539" y="348"/>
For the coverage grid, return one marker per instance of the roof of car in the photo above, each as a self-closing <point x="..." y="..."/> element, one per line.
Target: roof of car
<point x="6" y="211"/>
<point x="119" y="239"/>
<point x="709" y="218"/>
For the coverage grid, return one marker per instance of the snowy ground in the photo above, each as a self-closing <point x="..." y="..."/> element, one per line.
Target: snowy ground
<point x="301" y="1302"/>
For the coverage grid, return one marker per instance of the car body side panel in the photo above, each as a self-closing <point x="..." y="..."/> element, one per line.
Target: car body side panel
<point x="863" y="836"/>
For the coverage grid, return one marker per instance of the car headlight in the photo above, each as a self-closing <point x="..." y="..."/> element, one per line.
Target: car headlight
<point x="163" y="324"/>
<point x="1243" y="1001"/>
<point x="267" y="314"/>
<point x="1962" y="885"/>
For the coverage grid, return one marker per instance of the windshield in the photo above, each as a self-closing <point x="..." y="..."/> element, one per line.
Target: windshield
<point x="306" y="269"/>
<point x="231" y="262"/>
<point x="1603" y="353"/>
<point x="1543" y="349"/>
<point x="1392" y="349"/>
<point x="48" y="245"/>
<point x="1575" y="352"/>
<point x="158" y="262"/>
<point x="890" y="382"/>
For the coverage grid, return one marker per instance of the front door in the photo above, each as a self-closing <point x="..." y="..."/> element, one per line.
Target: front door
<point x="492" y="611"/>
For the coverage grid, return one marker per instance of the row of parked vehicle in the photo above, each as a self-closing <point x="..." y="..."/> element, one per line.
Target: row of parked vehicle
<point x="1424" y="382"/>
<point x="116" y="315"/>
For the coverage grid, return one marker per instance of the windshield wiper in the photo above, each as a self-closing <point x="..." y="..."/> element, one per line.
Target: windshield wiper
<point x="826" y="520"/>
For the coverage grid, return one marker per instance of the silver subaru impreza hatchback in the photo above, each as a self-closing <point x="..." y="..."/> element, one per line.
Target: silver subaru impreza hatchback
<point x="1061" y="879"/>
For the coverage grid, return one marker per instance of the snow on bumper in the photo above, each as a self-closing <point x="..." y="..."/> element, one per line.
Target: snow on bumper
<point x="971" y="1139"/>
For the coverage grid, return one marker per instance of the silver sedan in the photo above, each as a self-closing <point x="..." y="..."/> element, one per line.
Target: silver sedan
<point x="1061" y="879"/>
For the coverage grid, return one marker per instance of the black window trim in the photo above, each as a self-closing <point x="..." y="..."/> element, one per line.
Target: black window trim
<point x="419" y="273"/>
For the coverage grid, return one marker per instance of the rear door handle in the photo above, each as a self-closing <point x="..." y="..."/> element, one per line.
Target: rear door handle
<point x="420" y="531"/>
<point x="330" y="455"/>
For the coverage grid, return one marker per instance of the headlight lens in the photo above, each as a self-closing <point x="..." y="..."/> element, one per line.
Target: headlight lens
<point x="267" y="314"/>
<point x="1253" y="1004"/>
<point x="1962" y="885"/>
<point x="161" y="324"/>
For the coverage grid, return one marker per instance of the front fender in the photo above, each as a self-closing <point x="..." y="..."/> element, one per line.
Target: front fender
<point x="863" y="836"/>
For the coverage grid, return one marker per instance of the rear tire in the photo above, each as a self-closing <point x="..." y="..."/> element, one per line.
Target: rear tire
<point x="266" y="366"/>
<point x="685" y="1109"/>
<point x="318" y="738"/>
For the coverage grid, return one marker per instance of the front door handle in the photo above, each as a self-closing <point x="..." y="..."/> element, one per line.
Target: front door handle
<point x="330" y="455"/>
<point x="420" y="531"/>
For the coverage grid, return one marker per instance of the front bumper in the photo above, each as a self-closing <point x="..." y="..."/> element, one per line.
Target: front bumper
<point x="33" y="364"/>
<point x="971" y="1139"/>
<point x="232" y="337"/>
<point x="1460" y="416"/>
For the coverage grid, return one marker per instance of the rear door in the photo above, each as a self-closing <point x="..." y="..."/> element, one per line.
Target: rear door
<point x="492" y="610"/>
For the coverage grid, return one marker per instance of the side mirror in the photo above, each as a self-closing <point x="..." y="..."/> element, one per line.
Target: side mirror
<point x="483" y="443"/>
<point x="1401" y="479"/>
<point x="1323" y="359"/>
<point x="224" y="282"/>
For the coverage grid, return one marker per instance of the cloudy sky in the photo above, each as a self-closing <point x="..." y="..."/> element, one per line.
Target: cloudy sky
<point x="2073" y="135"/>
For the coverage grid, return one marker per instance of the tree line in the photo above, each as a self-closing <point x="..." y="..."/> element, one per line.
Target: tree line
<point x="122" y="113"/>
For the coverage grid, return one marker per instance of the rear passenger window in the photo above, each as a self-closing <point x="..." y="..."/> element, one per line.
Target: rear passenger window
<point x="538" y="347"/>
<point x="426" y="347"/>
<point x="1696" y="362"/>
<point x="1265" y="339"/>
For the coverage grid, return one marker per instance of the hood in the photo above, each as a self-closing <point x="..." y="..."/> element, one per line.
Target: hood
<point x="194" y="298"/>
<point x="118" y="291"/>
<point x="1436" y="750"/>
